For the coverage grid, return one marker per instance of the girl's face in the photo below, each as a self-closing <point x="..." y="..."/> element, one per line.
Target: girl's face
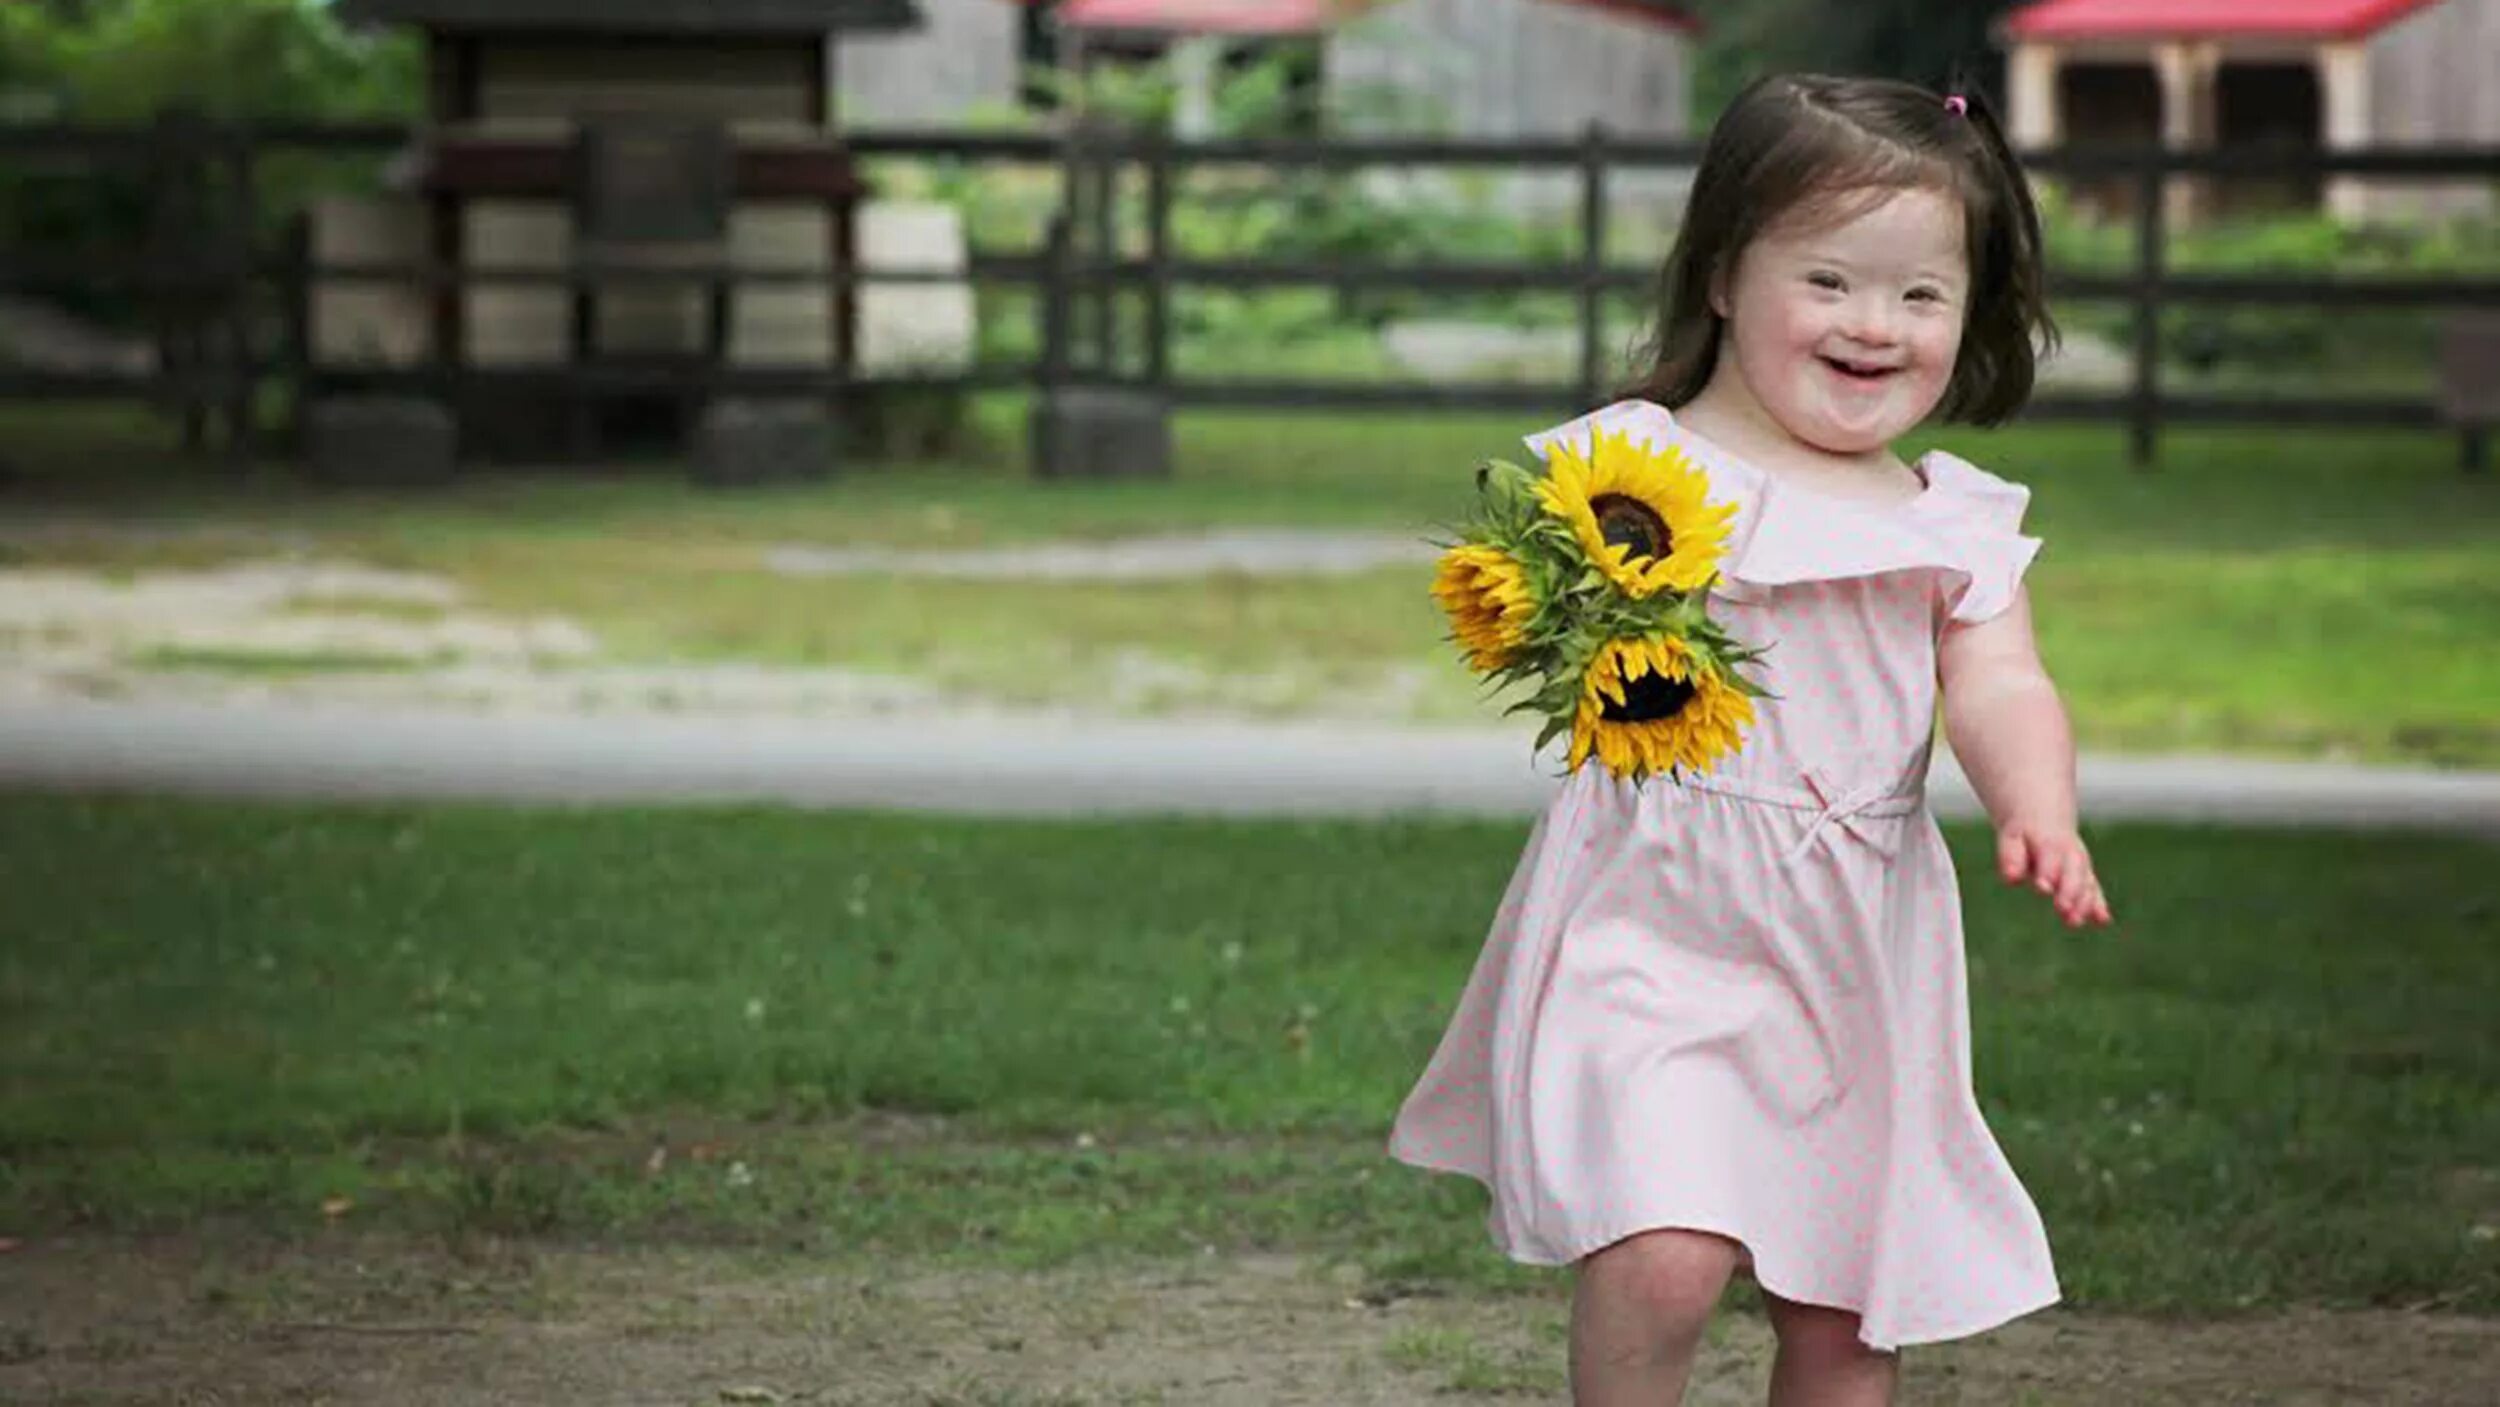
<point x="1845" y="331"/>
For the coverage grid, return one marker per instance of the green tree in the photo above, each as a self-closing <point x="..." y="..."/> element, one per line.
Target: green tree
<point x="120" y="60"/>
<point x="1936" y="42"/>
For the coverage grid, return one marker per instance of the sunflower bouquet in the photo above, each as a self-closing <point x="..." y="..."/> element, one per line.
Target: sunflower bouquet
<point x="1589" y="583"/>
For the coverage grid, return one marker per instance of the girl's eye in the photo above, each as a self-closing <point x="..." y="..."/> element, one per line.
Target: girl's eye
<point x="1926" y="295"/>
<point x="1824" y="280"/>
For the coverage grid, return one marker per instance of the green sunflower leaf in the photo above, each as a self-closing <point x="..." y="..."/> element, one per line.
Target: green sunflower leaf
<point x="1554" y="728"/>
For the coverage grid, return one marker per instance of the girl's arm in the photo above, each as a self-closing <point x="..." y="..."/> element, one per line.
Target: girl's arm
<point x="2008" y="729"/>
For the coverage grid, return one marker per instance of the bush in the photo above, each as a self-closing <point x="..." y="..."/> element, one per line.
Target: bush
<point x="2258" y="340"/>
<point x="121" y="62"/>
<point x="1247" y="214"/>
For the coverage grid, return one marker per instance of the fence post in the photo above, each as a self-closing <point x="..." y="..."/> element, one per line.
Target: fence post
<point x="1159" y="263"/>
<point x="1060" y="251"/>
<point x="295" y="371"/>
<point x="1592" y="264"/>
<point x="447" y="289"/>
<point x="180" y="274"/>
<point x="237" y="275"/>
<point x="1053" y="304"/>
<point x="2144" y="405"/>
<point x="1102" y="254"/>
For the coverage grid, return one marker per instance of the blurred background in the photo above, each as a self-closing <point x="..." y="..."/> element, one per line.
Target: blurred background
<point x="463" y="302"/>
<point x="977" y="405"/>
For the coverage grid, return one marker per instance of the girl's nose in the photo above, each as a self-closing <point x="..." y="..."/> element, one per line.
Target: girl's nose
<point x="1869" y="319"/>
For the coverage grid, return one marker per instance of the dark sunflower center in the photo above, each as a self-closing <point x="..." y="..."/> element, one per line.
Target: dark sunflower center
<point x="1629" y="523"/>
<point x="1649" y="699"/>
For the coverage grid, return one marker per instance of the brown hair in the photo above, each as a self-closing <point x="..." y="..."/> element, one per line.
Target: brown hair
<point x="1791" y="140"/>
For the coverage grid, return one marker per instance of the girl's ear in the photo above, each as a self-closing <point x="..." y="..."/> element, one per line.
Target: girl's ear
<point x="1718" y="290"/>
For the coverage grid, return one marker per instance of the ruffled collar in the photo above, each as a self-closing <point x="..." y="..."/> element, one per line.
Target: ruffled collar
<point x="1963" y="519"/>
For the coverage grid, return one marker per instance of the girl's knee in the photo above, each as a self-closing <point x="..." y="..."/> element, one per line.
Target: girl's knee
<point x="1672" y="1279"/>
<point x="1819" y="1331"/>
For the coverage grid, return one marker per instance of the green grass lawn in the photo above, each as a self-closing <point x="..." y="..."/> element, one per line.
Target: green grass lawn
<point x="2300" y="593"/>
<point x="1026" y="1041"/>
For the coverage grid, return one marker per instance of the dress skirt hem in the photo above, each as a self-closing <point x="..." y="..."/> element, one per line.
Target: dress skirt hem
<point x="1772" y="1278"/>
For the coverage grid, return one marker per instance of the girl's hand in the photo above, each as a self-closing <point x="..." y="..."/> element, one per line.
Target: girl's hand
<point x="2054" y="861"/>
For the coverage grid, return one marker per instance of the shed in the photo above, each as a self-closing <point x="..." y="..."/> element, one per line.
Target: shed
<point x="645" y="131"/>
<point x="2332" y="74"/>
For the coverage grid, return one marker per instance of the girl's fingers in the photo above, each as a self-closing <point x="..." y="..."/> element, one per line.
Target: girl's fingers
<point x="2078" y="888"/>
<point x="2060" y="869"/>
<point x="2084" y="909"/>
<point x="2014" y="856"/>
<point x="2088" y="903"/>
<point x="2049" y="869"/>
<point x="2090" y="911"/>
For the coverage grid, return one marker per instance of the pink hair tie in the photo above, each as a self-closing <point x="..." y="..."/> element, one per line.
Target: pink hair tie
<point x="1958" y="105"/>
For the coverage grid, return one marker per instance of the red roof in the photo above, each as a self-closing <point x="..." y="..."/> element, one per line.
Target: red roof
<point x="1292" y="16"/>
<point x="2179" y="19"/>
<point x="1670" y="16"/>
<point x="1201" y="16"/>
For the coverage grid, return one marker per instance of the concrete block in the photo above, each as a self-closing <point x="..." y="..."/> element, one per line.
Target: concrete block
<point x="749" y="441"/>
<point x="381" y="440"/>
<point x="1093" y="432"/>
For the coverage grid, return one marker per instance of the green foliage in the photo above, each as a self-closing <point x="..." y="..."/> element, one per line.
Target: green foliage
<point x="1129" y="96"/>
<point x="1935" y="42"/>
<point x="1247" y="214"/>
<point x="2254" y="340"/>
<point x="121" y="61"/>
<point x="2275" y="243"/>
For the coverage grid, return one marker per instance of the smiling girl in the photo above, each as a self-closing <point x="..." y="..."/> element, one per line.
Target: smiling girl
<point x="1722" y="1025"/>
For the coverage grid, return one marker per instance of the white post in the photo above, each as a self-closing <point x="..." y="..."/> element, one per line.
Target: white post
<point x="2032" y="97"/>
<point x="2178" y="120"/>
<point x="2188" y="82"/>
<point x="2175" y="66"/>
<point x="2205" y="79"/>
<point x="2344" y="83"/>
<point x="1193" y="87"/>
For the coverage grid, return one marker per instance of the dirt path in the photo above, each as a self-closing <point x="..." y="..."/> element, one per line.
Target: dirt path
<point x="361" y="1318"/>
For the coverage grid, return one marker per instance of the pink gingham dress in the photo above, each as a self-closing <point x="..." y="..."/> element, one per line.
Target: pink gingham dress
<point x="1737" y="1005"/>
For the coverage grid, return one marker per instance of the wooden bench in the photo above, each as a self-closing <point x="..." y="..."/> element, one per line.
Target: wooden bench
<point x="2469" y="381"/>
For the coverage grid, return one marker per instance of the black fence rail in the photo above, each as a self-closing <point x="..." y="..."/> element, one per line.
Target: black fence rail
<point x="214" y="282"/>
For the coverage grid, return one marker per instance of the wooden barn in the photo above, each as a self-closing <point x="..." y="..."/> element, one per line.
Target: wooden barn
<point x="636" y="135"/>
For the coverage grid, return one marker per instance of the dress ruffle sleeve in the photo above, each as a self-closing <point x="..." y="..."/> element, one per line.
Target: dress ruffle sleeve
<point x="1966" y="526"/>
<point x="1985" y="515"/>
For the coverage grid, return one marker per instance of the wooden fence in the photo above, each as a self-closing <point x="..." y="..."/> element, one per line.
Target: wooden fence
<point x="212" y="282"/>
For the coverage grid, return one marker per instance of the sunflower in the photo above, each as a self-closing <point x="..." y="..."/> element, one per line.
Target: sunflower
<point x="1643" y="515"/>
<point x="1647" y="705"/>
<point x="1486" y="593"/>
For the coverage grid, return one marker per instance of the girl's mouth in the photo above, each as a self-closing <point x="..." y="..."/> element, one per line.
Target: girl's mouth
<point x="1859" y="371"/>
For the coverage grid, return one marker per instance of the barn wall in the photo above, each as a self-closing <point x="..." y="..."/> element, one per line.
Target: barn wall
<point x="745" y="83"/>
<point x="2432" y="79"/>
<point x="1515" y="68"/>
<point x="965" y="55"/>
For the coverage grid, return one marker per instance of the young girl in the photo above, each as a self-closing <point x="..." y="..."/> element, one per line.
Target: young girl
<point x="1721" y="1025"/>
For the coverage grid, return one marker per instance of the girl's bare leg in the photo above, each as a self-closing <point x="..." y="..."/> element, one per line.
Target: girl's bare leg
<point x="1822" y="1362"/>
<point x="1637" y="1316"/>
